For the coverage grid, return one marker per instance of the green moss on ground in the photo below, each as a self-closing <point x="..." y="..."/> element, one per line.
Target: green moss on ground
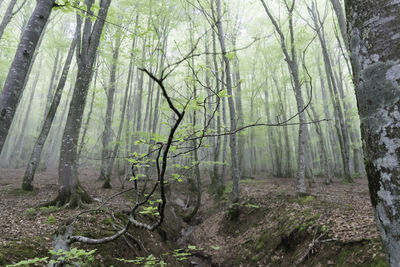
<point x="18" y="192"/>
<point x="27" y="248"/>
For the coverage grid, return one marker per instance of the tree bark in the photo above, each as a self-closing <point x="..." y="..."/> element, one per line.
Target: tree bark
<point x="374" y="44"/>
<point x="17" y="75"/>
<point x="71" y="192"/>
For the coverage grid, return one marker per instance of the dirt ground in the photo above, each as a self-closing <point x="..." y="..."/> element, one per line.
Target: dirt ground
<point x="14" y="220"/>
<point x="346" y="209"/>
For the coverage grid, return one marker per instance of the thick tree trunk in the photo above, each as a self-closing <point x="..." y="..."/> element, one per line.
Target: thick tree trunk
<point x="39" y="144"/>
<point x="71" y="192"/>
<point x="19" y="69"/>
<point x="374" y="42"/>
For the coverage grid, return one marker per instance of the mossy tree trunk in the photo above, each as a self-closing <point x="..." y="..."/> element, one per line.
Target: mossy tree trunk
<point x="374" y="27"/>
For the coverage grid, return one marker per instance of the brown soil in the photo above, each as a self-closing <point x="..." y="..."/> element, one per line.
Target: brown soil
<point x="344" y="212"/>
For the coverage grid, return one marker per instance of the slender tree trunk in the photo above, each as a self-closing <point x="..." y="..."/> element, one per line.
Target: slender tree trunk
<point x="232" y="137"/>
<point x="291" y="59"/>
<point x="217" y="176"/>
<point x="9" y="15"/>
<point x="241" y="140"/>
<point x="18" y="154"/>
<point x="340" y="124"/>
<point x="335" y="161"/>
<point x="271" y="139"/>
<point x="17" y="75"/>
<point x="337" y="7"/>
<point x="39" y="144"/>
<point x="105" y="174"/>
<point x="50" y="92"/>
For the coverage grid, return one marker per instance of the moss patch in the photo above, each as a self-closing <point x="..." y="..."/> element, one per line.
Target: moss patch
<point x="27" y="248"/>
<point x="18" y="192"/>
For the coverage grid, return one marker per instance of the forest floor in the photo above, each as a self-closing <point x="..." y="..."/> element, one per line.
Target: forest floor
<point x="334" y="226"/>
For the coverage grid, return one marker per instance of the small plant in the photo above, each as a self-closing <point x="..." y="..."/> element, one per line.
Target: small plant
<point x="50" y="220"/>
<point x="181" y="255"/>
<point x="73" y="257"/>
<point x="79" y="256"/>
<point x="30" y="213"/>
<point x="252" y="206"/>
<point x="215" y="247"/>
<point x="48" y="210"/>
<point x="31" y="262"/>
<point x="150" y="261"/>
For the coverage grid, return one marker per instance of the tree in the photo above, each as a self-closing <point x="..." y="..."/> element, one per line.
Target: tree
<point x="228" y="79"/>
<point x="292" y="62"/>
<point x="107" y="153"/>
<point x="71" y="192"/>
<point x="17" y="75"/>
<point x="9" y="15"/>
<point x="374" y="44"/>
<point x="49" y="117"/>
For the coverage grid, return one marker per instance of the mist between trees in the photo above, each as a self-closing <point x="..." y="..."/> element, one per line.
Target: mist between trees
<point x="166" y="91"/>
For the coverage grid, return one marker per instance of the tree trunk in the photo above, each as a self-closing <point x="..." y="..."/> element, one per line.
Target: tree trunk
<point x="17" y="75"/>
<point x="374" y="43"/>
<point x="9" y="15"/>
<point x="105" y="174"/>
<point x="337" y="7"/>
<point x="71" y="192"/>
<point x="218" y="178"/>
<point x="232" y="137"/>
<point x="38" y="147"/>
<point x="340" y="123"/>
<point x="291" y="59"/>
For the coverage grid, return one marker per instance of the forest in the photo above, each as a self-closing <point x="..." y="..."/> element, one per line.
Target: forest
<point x="199" y="133"/>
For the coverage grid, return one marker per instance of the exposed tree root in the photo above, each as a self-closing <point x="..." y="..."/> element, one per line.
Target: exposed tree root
<point x="78" y="198"/>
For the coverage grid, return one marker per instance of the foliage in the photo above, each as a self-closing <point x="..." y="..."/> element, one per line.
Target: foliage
<point x="78" y="256"/>
<point x="50" y="220"/>
<point x="30" y="213"/>
<point x="49" y="209"/>
<point x="149" y="261"/>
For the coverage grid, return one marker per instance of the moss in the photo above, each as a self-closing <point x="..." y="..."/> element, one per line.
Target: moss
<point x="18" y="192"/>
<point x="358" y="253"/>
<point x="27" y="248"/>
<point x="30" y="213"/>
<point x="307" y="200"/>
<point x="303" y="199"/>
<point x="380" y="261"/>
<point x="2" y="259"/>
<point x="50" y="220"/>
